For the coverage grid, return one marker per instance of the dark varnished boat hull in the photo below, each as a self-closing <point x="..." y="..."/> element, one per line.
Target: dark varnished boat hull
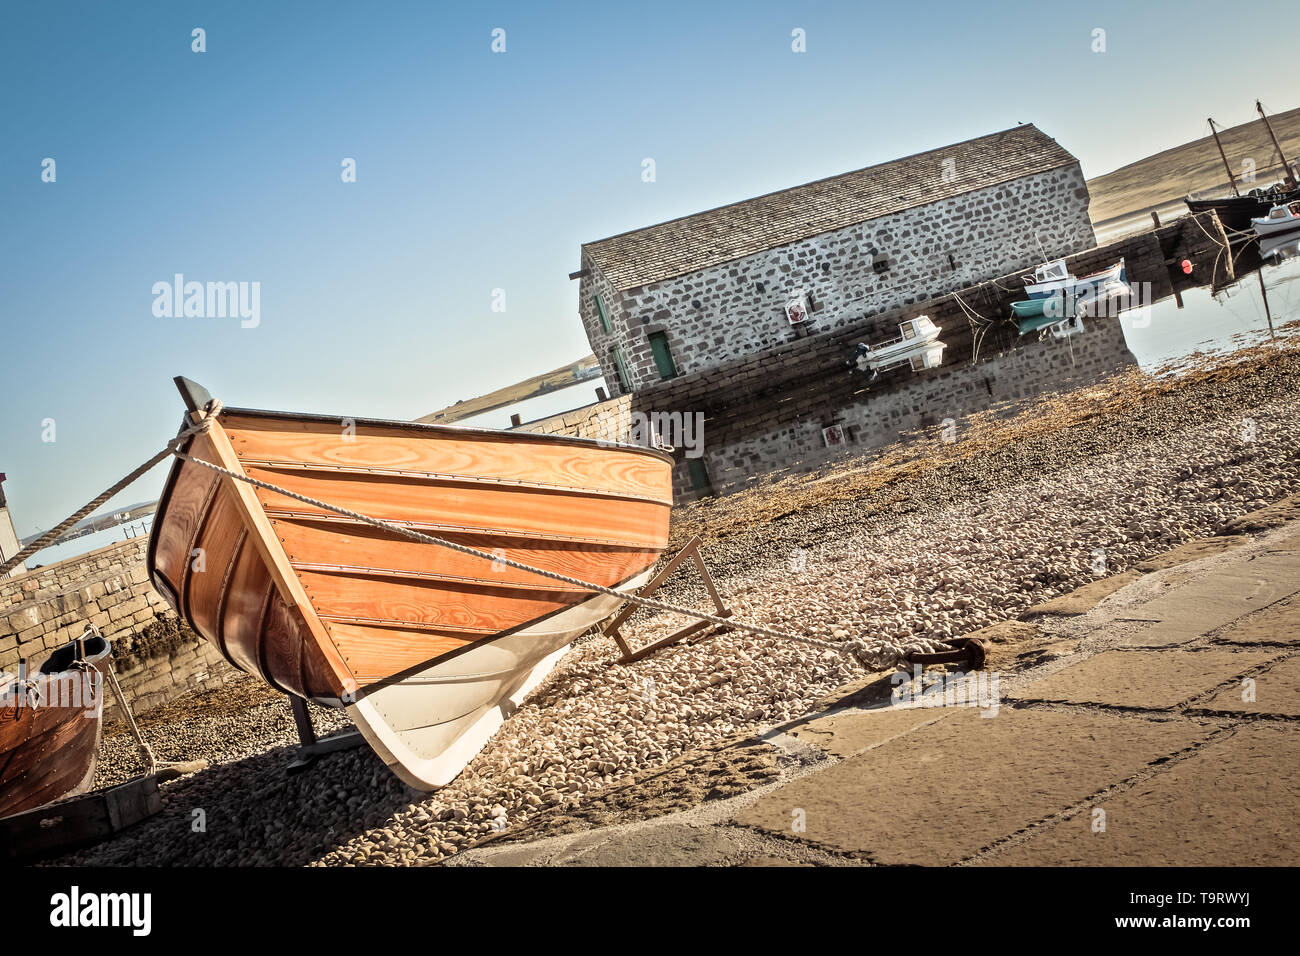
<point x="49" y="740"/>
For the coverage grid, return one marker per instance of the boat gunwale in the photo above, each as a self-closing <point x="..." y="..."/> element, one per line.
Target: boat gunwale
<point x="445" y="478"/>
<point x="472" y="431"/>
<point x="478" y="638"/>
<point x="164" y="499"/>
<point x="362" y="571"/>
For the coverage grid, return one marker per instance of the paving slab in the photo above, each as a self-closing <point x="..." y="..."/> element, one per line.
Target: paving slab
<point x="941" y="792"/>
<point x="668" y="844"/>
<point x="1217" y="598"/>
<point x="1194" y="550"/>
<point x="1288" y="542"/>
<point x="845" y="733"/>
<point x="1083" y="599"/>
<point x="1276" y="691"/>
<point x="1278" y="624"/>
<point x="1234" y="803"/>
<point x="1152" y="680"/>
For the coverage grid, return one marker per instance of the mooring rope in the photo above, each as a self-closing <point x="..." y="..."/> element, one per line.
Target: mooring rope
<point x="878" y="654"/>
<point x="874" y="654"/>
<point x="57" y="531"/>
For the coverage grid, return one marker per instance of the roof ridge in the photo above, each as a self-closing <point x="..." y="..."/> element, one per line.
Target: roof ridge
<point x="815" y="182"/>
<point x="710" y="237"/>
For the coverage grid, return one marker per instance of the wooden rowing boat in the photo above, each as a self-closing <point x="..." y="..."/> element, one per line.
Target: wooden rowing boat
<point x="50" y="726"/>
<point x="429" y="649"/>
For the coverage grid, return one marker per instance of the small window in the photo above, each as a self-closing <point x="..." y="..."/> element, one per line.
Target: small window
<point x="624" y="383"/>
<point x="663" y="357"/>
<point x="600" y="310"/>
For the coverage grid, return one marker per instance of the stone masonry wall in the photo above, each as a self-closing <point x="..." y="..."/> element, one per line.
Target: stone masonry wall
<point x="736" y="309"/>
<point x="766" y="411"/>
<point x="156" y="657"/>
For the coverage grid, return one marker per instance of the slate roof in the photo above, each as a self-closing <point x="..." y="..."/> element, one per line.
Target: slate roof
<point x="682" y="246"/>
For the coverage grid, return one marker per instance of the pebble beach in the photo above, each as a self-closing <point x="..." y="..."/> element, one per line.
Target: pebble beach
<point x="928" y="539"/>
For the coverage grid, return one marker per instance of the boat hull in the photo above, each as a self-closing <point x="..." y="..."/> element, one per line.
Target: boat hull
<point x="1236" y="212"/>
<point x="418" y="641"/>
<point x="1030" y="307"/>
<point x="426" y="738"/>
<point x="1275" y="227"/>
<point x="49" y="739"/>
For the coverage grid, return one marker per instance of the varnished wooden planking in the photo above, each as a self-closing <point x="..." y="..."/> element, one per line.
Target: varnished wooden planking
<point x="359" y="546"/>
<point x="219" y="451"/>
<point x="186" y="508"/>
<point x="509" y="457"/>
<point x="206" y="583"/>
<point x="232" y="603"/>
<point x="375" y="652"/>
<point x="47" y="752"/>
<point x="431" y="603"/>
<point x="598" y="537"/>
<point x="522" y="510"/>
<point x="248" y="592"/>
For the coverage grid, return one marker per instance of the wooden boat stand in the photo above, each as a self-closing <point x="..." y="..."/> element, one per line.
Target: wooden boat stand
<point x="310" y="747"/>
<point x="692" y="550"/>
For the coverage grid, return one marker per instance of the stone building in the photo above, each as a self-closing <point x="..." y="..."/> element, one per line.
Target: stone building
<point x="9" y="543"/>
<point x="692" y="293"/>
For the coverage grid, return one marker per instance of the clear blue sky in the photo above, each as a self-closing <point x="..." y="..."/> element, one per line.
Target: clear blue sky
<point x="476" y="171"/>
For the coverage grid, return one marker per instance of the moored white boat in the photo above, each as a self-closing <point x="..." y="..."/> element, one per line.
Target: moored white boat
<point x="1280" y="219"/>
<point x="917" y="345"/>
<point x="1053" y="280"/>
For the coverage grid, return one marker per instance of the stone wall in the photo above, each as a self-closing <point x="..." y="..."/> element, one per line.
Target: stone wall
<point x="155" y="655"/>
<point x="736" y="309"/>
<point x="764" y="412"/>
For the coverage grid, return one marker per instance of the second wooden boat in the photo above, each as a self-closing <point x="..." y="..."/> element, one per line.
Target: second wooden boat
<point x="429" y="649"/>
<point x="50" y="725"/>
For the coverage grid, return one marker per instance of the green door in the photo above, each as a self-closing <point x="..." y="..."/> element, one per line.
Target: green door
<point x="663" y="357"/>
<point x="699" y="476"/>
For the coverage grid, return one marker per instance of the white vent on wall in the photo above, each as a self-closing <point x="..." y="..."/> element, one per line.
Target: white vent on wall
<point x="796" y="308"/>
<point x="833" y="436"/>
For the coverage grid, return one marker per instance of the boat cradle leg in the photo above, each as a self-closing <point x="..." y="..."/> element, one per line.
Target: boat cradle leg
<point x="692" y="551"/>
<point x="309" y="746"/>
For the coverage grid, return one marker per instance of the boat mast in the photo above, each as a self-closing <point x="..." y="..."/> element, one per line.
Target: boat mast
<point x="1272" y="336"/>
<point x="1224" y="156"/>
<point x="1286" y="166"/>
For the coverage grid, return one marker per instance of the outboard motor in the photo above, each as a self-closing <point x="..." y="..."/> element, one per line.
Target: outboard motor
<point x="860" y="362"/>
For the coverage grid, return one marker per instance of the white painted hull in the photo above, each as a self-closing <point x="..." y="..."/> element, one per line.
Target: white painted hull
<point x="428" y="726"/>
<point x="1275" y="227"/>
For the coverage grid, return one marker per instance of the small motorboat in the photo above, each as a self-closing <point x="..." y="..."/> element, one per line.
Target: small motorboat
<point x="1280" y="219"/>
<point x="1058" y="327"/>
<point x="1049" y="280"/>
<point x="1053" y="280"/>
<point x="428" y="648"/>
<point x="50" y="725"/>
<point x="917" y="345"/>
